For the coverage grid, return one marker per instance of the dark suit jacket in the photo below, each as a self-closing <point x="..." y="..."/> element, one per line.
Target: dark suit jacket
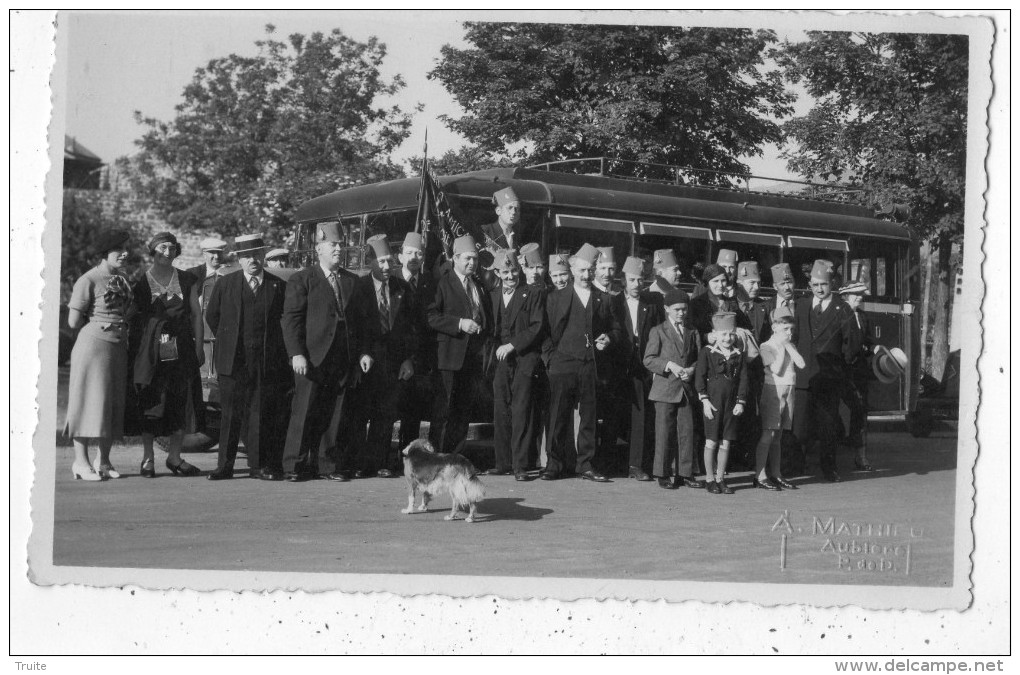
<point x="225" y="317"/>
<point x="198" y="271"/>
<point x="758" y="320"/>
<point x="826" y="343"/>
<point x="630" y="351"/>
<point x="449" y="305"/>
<point x="665" y="345"/>
<point x="310" y="313"/>
<point x="401" y="341"/>
<point x="495" y="239"/>
<point x="423" y="294"/>
<point x="526" y="312"/>
<point x="557" y="311"/>
<point x="702" y="308"/>
<point x="860" y="359"/>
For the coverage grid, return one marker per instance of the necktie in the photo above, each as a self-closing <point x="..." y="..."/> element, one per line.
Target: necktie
<point x="254" y="285"/>
<point x="679" y="328"/>
<point x="335" y="285"/>
<point x="508" y="291"/>
<point x="471" y="299"/>
<point x="414" y="283"/>
<point x="384" y="309"/>
<point x="746" y="307"/>
<point x="817" y="310"/>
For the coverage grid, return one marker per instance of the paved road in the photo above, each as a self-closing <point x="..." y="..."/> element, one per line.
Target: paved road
<point x="623" y="529"/>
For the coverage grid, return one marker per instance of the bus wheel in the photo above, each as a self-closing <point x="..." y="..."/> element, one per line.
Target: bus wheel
<point x="920" y="423"/>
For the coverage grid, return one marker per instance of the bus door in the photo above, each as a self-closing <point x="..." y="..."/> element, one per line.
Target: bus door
<point x="802" y="252"/>
<point x="878" y="264"/>
<point x="573" y="231"/>
<point x="763" y="247"/>
<point x="690" y="244"/>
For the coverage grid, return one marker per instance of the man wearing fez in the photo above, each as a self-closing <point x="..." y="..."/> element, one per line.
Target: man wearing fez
<point x="605" y="271"/>
<point x="667" y="271"/>
<point x="559" y="271"/>
<point x="244" y="312"/>
<point x="611" y="378"/>
<point x="518" y="326"/>
<point x="782" y="281"/>
<point x="582" y="327"/>
<point x="638" y="312"/>
<point x="670" y="358"/>
<point x="418" y="403"/>
<point x="461" y="317"/>
<point x="277" y="258"/>
<point x="824" y="334"/>
<point x="322" y="344"/>
<point x="503" y="234"/>
<point x="533" y="265"/>
<point x="382" y="307"/>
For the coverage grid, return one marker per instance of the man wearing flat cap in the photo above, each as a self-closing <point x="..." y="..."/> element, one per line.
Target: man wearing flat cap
<point x="518" y="330"/>
<point x="462" y="318"/>
<point x="244" y="312"/>
<point x="322" y="344"/>
<point x="277" y="258"/>
<point x="383" y="309"/>
<point x="207" y="274"/>
<point x="638" y="312"/>
<point x="418" y="403"/>
<point x="582" y="327"/>
<point x="503" y="234"/>
<point x="824" y="334"/>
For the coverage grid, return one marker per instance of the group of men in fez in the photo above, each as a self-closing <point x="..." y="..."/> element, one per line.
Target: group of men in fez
<point x="571" y="358"/>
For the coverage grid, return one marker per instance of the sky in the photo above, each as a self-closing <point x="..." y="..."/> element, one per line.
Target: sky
<point x="122" y="62"/>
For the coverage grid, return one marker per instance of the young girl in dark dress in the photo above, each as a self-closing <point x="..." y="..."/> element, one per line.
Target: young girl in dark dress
<point x="165" y="354"/>
<point x="721" y="382"/>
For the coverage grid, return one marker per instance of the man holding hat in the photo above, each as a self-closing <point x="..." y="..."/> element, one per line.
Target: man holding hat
<point x="277" y="258"/>
<point x="582" y="327"/>
<point x="382" y="307"/>
<point x="244" y="312"/>
<point x="667" y="271"/>
<point x="503" y="234"/>
<point x="825" y="337"/>
<point x="322" y="343"/>
<point x="418" y="403"/>
<point x="462" y="318"/>
<point x="855" y="386"/>
<point x="518" y="328"/>
<point x="638" y="313"/>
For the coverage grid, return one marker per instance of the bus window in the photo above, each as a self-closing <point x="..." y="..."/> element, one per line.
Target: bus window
<point x="804" y="251"/>
<point x="875" y="263"/>
<point x="690" y="244"/>
<point x="763" y="248"/>
<point x="574" y="231"/>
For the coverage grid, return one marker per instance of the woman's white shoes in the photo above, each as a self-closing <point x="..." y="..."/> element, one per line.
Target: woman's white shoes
<point x="106" y="471"/>
<point x="84" y="472"/>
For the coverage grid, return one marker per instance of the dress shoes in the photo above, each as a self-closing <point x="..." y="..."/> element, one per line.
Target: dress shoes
<point x="182" y="468"/>
<point x="521" y="477"/>
<point x="147" y="469"/>
<point x="723" y="487"/>
<point x="594" y="476"/>
<point x="667" y="484"/>
<point x="221" y="474"/>
<point x="338" y="476"/>
<point x="384" y="473"/>
<point x="690" y="482"/>
<point x="713" y="487"/>
<point x="362" y="474"/>
<point x="548" y="475"/>
<point x="638" y="474"/>
<point x="862" y="465"/>
<point x="766" y="484"/>
<point x="496" y="472"/>
<point x="292" y="477"/>
<point x="785" y="484"/>
<point x="267" y="474"/>
<point x="832" y="476"/>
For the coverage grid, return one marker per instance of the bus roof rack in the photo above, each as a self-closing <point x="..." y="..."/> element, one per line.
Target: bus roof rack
<point x="673" y="174"/>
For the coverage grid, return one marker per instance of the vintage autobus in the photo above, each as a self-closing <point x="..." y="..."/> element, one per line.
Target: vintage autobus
<point x="562" y="208"/>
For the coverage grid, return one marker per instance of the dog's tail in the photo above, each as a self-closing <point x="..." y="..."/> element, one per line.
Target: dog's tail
<point x="466" y="490"/>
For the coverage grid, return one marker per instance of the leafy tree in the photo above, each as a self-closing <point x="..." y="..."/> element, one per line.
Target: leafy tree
<point x="546" y="92"/>
<point x="891" y="118"/>
<point x="256" y="136"/>
<point x="464" y="159"/>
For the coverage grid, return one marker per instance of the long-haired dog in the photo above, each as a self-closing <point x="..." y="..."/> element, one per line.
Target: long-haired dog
<point x="432" y="472"/>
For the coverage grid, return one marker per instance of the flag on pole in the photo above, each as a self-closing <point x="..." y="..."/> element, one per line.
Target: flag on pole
<point x="435" y="220"/>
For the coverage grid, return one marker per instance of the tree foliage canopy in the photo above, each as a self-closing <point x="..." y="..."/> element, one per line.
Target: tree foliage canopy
<point x="546" y="92"/>
<point x="890" y="117"/>
<point x="256" y="136"/>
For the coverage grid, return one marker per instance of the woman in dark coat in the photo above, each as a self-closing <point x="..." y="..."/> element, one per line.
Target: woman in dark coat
<point x="166" y="352"/>
<point x="102" y="301"/>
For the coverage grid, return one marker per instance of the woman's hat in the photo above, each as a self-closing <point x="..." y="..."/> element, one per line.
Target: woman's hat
<point x="888" y="364"/>
<point x="854" y="288"/>
<point x="162" y="238"/>
<point x="531" y="255"/>
<point x="724" y="322"/>
<point x="711" y="272"/>
<point x="248" y="243"/>
<point x="108" y="240"/>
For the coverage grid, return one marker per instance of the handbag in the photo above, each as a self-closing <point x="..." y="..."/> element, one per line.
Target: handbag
<point x="168" y="348"/>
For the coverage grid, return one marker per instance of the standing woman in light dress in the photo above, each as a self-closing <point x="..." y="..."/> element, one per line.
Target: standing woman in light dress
<point x="165" y="354"/>
<point x="96" y="394"/>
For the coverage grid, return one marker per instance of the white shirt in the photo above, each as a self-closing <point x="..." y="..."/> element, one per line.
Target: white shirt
<point x="815" y="302"/>
<point x="633" y="304"/>
<point x="248" y="278"/>
<point x="327" y="272"/>
<point x="604" y="289"/>
<point x="474" y="291"/>
<point x="407" y="275"/>
<point x="584" y="294"/>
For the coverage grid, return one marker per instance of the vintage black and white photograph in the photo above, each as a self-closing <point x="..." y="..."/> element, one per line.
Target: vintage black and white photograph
<point x="628" y="306"/>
